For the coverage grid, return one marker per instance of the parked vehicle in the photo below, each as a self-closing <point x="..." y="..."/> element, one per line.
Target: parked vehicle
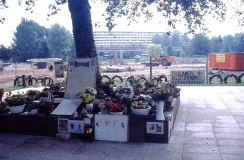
<point x="163" y="60"/>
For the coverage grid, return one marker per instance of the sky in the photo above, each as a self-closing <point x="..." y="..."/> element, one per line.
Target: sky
<point x="15" y="12"/>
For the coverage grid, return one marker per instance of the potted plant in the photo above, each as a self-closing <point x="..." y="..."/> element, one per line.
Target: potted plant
<point x="160" y="95"/>
<point x="124" y="91"/>
<point x="15" y="102"/>
<point x="114" y="107"/>
<point x="140" y="107"/>
<point x="137" y="87"/>
<point x="32" y="107"/>
<point x="168" y="108"/>
<point x="87" y="97"/>
<point x="57" y="86"/>
<point x="31" y="94"/>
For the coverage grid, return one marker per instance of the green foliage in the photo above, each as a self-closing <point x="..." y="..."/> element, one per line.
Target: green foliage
<point x="15" y="100"/>
<point x="170" y="50"/>
<point x="29" y="41"/>
<point x="199" y="45"/>
<point x="239" y="42"/>
<point x="5" y="52"/>
<point x="228" y="43"/>
<point x="193" y="12"/>
<point x="154" y="50"/>
<point x="175" y="39"/>
<point x="216" y="44"/>
<point x="60" y="42"/>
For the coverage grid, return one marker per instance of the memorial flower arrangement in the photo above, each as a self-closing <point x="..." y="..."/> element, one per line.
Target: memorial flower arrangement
<point x="14" y="99"/>
<point x="31" y="106"/>
<point x="57" y="86"/>
<point x="114" y="106"/>
<point x="140" y="105"/>
<point x="32" y="92"/>
<point x="124" y="91"/>
<point x="88" y="95"/>
<point x="131" y="80"/>
<point x="162" y="93"/>
<point x="110" y="83"/>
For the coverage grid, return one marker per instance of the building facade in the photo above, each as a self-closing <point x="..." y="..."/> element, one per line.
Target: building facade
<point x="119" y="39"/>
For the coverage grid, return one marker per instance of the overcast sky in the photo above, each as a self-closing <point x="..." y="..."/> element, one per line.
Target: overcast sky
<point x="14" y="13"/>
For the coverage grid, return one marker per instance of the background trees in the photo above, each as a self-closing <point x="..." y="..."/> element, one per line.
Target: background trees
<point x="60" y="42"/>
<point x="154" y="50"/>
<point x="199" y="45"/>
<point x="192" y="12"/>
<point x="5" y="53"/>
<point x="34" y="41"/>
<point x="29" y="41"/>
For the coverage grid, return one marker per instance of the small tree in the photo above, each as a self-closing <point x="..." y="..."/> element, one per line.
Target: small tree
<point x="154" y="50"/>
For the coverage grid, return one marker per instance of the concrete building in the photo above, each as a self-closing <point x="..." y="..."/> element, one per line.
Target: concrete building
<point x="121" y="41"/>
<point x="105" y="39"/>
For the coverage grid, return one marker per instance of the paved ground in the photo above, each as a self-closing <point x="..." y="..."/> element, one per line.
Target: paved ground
<point x="209" y="126"/>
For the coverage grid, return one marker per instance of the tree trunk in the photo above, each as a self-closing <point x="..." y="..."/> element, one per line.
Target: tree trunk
<point x="82" y="28"/>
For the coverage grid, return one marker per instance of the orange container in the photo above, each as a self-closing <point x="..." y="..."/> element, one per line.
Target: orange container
<point x="227" y="61"/>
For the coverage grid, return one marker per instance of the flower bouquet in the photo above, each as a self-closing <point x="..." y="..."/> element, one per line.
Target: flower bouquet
<point x="15" y="102"/>
<point x="124" y="91"/>
<point x="31" y="94"/>
<point x="141" y="106"/>
<point x="87" y="98"/>
<point x="57" y="86"/>
<point x="162" y="93"/>
<point x="32" y="107"/>
<point x="137" y="87"/>
<point x="15" y="99"/>
<point x="114" y="107"/>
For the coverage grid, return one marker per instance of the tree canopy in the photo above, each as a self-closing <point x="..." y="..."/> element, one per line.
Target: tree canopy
<point x="154" y="50"/>
<point x="192" y="11"/>
<point x="29" y="41"/>
<point x="60" y="42"/>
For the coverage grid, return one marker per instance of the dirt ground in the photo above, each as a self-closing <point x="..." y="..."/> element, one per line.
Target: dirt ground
<point x="9" y="73"/>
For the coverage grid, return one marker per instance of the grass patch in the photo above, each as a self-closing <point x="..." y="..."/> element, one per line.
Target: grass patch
<point x="12" y="88"/>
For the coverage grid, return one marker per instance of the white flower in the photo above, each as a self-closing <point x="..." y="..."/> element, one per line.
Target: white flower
<point x="125" y="91"/>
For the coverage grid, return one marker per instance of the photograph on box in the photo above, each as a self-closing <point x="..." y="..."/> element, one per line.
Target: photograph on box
<point x="155" y="127"/>
<point x="63" y="125"/>
<point x="76" y="126"/>
<point x="59" y="69"/>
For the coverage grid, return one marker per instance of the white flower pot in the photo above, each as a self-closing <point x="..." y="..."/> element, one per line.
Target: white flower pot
<point x="33" y="111"/>
<point x="16" y="109"/>
<point x="116" y="113"/>
<point x="89" y="107"/>
<point x="142" y="111"/>
<point x="160" y="110"/>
